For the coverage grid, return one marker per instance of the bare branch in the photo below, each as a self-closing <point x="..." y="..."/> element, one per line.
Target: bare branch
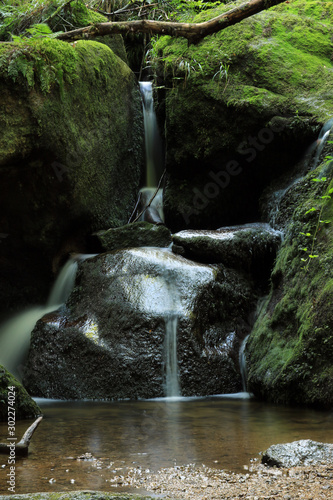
<point x="194" y="32"/>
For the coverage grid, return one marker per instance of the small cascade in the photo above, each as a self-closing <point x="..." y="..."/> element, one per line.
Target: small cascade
<point x="154" y="169"/>
<point x="242" y="364"/>
<point x="321" y="141"/>
<point x="172" y="379"/>
<point x="310" y="162"/>
<point x="15" y="333"/>
<point x="63" y="284"/>
<point x="153" y="142"/>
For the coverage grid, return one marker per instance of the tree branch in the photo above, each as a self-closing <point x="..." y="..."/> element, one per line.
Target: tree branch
<point x="194" y="32"/>
<point x="22" y="447"/>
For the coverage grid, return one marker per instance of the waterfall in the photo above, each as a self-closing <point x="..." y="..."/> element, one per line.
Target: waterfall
<point x="15" y="333"/>
<point x="321" y="141"/>
<point x="242" y="364"/>
<point x="172" y="381"/>
<point x="153" y="143"/>
<point x="311" y="161"/>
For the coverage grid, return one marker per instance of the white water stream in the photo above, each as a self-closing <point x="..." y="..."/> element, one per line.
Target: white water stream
<point x="153" y="142"/>
<point x="15" y="333"/>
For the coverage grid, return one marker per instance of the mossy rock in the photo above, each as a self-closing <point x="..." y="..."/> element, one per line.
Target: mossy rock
<point x="24" y="405"/>
<point x="71" y="156"/>
<point x="291" y="346"/>
<point x="254" y="94"/>
<point x="137" y="234"/>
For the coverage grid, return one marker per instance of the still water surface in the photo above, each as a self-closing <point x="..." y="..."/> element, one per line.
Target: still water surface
<point x="218" y="432"/>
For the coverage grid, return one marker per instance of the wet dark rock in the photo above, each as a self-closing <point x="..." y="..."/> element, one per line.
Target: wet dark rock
<point x="298" y="453"/>
<point x="137" y="234"/>
<point x="109" y="342"/>
<point x="24" y="405"/>
<point x="251" y="247"/>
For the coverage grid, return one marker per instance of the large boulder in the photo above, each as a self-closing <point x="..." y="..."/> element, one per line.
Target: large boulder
<point x="110" y="341"/>
<point x="241" y="107"/>
<point x="71" y="143"/>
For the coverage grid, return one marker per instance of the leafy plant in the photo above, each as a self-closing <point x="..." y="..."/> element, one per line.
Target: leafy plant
<point x="222" y="73"/>
<point x="310" y="251"/>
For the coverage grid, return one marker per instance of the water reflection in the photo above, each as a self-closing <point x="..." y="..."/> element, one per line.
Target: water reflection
<point x="218" y="432"/>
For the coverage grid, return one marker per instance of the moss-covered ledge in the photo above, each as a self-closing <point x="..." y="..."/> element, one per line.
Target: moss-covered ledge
<point x="25" y="406"/>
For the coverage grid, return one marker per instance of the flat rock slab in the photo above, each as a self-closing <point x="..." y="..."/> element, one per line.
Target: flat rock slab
<point x="297" y="453"/>
<point x="76" y="495"/>
<point x="239" y="247"/>
<point x="137" y="234"/>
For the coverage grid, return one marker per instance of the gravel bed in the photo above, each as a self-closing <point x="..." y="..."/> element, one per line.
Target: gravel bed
<point x="257" y="482"/>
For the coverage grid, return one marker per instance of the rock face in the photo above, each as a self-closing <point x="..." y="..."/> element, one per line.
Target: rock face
<point x="110" y="341"/>
<point x="239" y="113"/>
<point x="71" y="146"/>
<point x="298" y="453"/>
<point x="290" y="349"/>
<point x="24" y="405"/>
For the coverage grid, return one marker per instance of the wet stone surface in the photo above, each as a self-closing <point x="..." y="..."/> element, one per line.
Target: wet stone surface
<point x="303" y="452"/>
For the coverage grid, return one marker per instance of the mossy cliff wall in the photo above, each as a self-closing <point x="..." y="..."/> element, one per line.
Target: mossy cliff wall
<point x="241" y="107"/>
<point x="290" y="349"/>
<point x="70" y="156"/>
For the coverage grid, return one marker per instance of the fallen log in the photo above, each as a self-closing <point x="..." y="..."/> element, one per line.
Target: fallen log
<point x="22" y="447"/>
<point x="194" y="32"/>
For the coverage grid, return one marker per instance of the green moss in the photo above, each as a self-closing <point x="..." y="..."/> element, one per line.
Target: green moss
<point x="18" y="17"/>
<point x="44" y="63"/>
<point x="25" y="406"/>
<point x="279" y="52"/>
<point x="291" y="345"/>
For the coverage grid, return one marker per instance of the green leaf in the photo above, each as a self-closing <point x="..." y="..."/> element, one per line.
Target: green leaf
<point x="323" y="179"/>
<point x="304" y="249"/>
<point x="313" y="209"/>
<point x="326" y="197"/>
<point x="304" y="260"/>
<point x="313" y="256"/>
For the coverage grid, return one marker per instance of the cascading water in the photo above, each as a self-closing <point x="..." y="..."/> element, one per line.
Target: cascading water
<point x="321" y="141"/>
<point x="311" y="161"/>
<point x="242" y="364"/>
<point x="15" y="333"/>
<point x="154" y="167"/>
<point x="153" y="143"/>
<point x="154" y="157"/>
<point x="172" y="379"/>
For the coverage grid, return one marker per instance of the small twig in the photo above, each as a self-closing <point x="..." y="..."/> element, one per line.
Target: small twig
<point x="136" y="206"/>
<point x="56" y="11"/>
<point x="152" y="198"/>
